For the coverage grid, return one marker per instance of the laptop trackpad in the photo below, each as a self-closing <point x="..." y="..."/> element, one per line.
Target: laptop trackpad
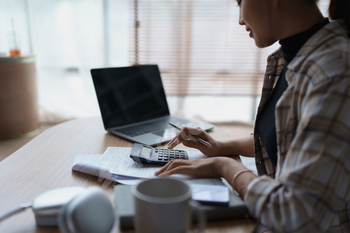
<point x="166" y="133"/>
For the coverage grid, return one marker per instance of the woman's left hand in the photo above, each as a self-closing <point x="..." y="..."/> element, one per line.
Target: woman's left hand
<point x="205" y="168"/>
<point x="214" y="167"/>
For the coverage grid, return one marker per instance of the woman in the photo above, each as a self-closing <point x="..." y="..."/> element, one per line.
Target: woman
<point x="301" y="140"/>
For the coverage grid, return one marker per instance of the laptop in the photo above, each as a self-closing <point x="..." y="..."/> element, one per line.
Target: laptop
<point x="133" y="104"/>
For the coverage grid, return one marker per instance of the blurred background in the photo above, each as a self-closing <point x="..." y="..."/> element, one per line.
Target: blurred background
<point x="210" y="67"/>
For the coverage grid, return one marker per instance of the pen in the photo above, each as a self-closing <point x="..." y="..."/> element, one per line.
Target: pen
<point x="195" y="137"/>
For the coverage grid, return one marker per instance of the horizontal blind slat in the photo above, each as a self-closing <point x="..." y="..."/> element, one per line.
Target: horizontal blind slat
<point x="198" y="45"/>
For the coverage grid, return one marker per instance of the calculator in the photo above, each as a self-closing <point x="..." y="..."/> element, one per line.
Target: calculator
<point x="157" y="156"/>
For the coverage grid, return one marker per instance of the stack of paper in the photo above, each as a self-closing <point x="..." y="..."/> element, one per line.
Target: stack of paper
<point x="115" y="164"/>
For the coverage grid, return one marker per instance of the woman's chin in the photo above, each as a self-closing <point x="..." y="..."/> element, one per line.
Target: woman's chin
<point x="263" y="44"/>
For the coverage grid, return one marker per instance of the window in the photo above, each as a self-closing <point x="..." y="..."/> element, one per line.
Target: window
<point x="202" y="52"/>
<point x="199" y="46"/>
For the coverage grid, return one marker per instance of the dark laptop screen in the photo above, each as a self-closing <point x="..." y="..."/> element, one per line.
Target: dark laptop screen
<point x="129" y="94"/>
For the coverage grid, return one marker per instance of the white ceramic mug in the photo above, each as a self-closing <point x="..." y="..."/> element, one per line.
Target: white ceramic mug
<point x="164" y="205"/>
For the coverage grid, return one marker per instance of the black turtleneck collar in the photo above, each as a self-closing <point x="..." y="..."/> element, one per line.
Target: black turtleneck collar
<point x="291" y="45"/>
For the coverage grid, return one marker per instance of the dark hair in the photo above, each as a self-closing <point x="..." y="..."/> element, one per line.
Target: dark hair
<point x="340" y="9"/>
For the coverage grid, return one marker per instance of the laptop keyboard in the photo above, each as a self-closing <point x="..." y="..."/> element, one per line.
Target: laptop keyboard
<point x="136" y="130"/>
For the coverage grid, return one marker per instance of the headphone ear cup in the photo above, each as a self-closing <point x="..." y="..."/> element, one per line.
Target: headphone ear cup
<point x="61" y="222"/>
<point x="90" y="212"/>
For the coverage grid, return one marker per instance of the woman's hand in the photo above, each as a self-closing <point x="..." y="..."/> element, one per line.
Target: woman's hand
<point x="217" y="167"/>
<point x="184" y="137"/>
<point x="205" y="168"/>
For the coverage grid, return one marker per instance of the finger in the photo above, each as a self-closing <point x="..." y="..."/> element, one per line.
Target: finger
<point x="199" y="132"/>
<point x="178" y="139"/>
<point x="169" y="166"/>
<point x="184" y="137"/>
<point x="164" y="168"/>
<point x="194" y="143"/>
<point x="184" y="134"/>
<point x="173" y="143"/>
<point x="184" y="170"/>
<point x="174" y="138"/>
<point x="193" y="131"/>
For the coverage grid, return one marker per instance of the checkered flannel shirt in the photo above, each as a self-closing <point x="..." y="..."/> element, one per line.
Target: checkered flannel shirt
<point x="309" y="190"/>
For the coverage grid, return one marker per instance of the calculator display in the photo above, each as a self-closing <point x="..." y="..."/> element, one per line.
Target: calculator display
<point x="146" y="152"/>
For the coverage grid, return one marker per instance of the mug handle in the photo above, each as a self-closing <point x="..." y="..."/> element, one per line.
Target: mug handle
<point x="196" y="208"/>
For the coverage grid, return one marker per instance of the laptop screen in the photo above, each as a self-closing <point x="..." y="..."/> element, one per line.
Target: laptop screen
<point x="129" y="95"/>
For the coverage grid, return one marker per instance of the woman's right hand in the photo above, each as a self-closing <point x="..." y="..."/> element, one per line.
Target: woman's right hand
<point x="184" y="137"/>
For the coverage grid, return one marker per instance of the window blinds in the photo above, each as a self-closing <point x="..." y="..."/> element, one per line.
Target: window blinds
<point x="198" y="45"/>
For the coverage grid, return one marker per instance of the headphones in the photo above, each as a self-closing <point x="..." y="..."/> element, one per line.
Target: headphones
<point x="90" y="211"/>
<point x="72" y="209"/>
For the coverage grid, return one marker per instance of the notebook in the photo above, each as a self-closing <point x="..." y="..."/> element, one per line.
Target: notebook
<point x="124" y="205"/>
<point x="133" y="104"/>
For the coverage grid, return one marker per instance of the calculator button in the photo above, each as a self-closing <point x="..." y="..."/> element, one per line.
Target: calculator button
<point x="160" y="159"/>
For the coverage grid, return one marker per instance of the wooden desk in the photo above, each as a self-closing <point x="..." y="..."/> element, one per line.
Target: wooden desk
<point x="46" y="163"/>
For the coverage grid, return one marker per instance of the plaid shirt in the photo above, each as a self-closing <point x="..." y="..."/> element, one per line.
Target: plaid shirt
<point x="309" y="191"/>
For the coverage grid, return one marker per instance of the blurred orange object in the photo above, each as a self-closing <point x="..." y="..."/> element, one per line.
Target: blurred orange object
<point x="15" y="52"/>
<point x="19" y="113"/>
